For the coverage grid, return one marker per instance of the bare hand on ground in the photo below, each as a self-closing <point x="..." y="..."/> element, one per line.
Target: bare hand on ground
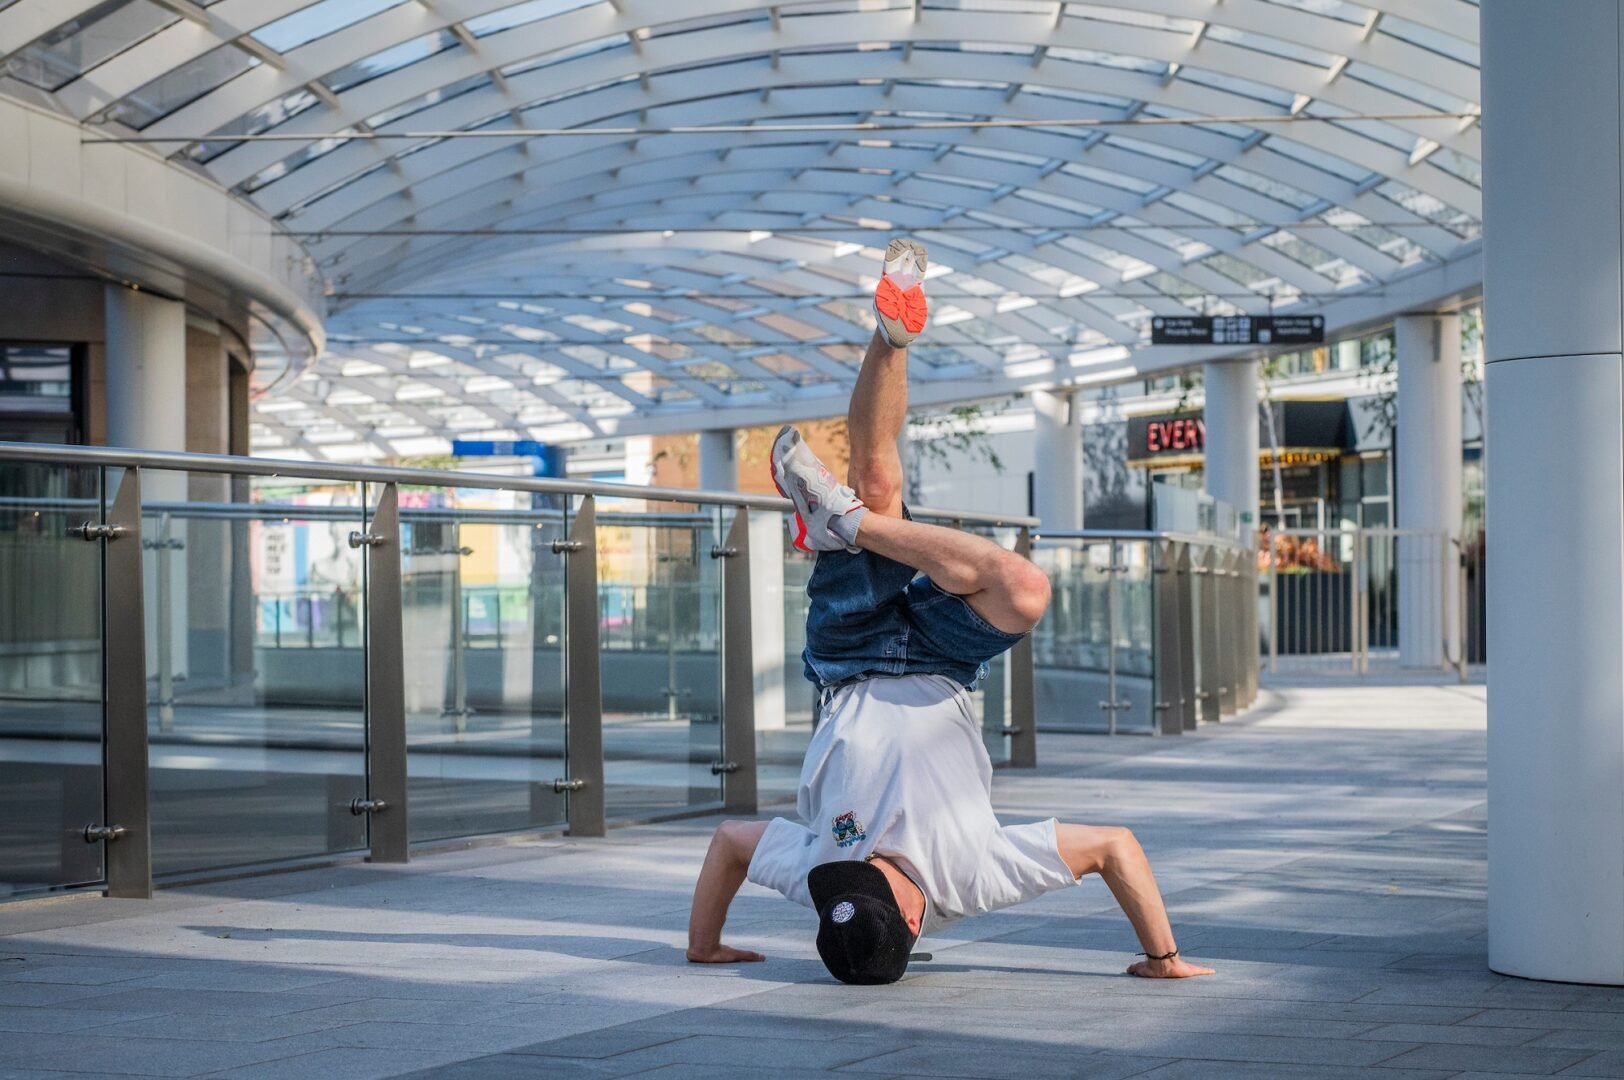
<point x="723" y="954"/>
<point x="1176" y="968"/>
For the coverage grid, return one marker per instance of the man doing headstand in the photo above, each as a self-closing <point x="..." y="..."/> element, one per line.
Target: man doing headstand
<point x="899" y="836"/>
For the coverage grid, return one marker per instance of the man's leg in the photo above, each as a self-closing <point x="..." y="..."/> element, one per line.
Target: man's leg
<point x="1116" y="856"/>
<point x="1000" y="586"/>
<point x="874" y="421"/>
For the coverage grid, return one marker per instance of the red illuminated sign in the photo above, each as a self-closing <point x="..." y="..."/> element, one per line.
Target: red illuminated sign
<point x="1162" y="436"/>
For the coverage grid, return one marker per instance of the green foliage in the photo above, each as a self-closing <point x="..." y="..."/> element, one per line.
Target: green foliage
<point x="960" y="432"/>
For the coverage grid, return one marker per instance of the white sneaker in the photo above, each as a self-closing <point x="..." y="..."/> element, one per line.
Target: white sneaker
<point x="899" y="299"/>
<point x="820" y="500"/>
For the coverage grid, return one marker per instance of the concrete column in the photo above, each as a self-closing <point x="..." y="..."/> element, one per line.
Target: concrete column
<point x="718" y="463"/>
<point x="1231" y="418"/>
<point x="146" y="410"/>
<point x="1057" y="460"/>
<point x="146" y="370"/>
<point x="1554" y="280"/>
<point x="1428" y="471"/>
<point x="767" y="617"/>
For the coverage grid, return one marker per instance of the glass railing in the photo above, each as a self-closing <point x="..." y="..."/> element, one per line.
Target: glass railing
<point x="1147" y="632"/>
<point x="212" y="663"/>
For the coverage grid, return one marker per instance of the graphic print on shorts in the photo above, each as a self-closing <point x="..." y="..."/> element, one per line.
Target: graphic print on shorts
<point x="848" y="830"/>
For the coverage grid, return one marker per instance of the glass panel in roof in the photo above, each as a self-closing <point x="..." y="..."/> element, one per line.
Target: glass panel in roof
<point x="574" y="52"/>
<point x="1266" y="186"/>
<point x="520" y="14"/>
<point x="182" y="86"/>
<point x="1231" y="85"/>
<point x="425" y="101"/>
<point x="1405" y="87"/>
<point x="318" y="20"/>
<point x="1120" y="61"/>
<point x="1111" y="179"/>
<point x="1128" y="17"/>
<point x="1340" y="10"/>
<point x="1458" y="165"/>
<point x="1315" y="158"/>
<point x="1155" y="150"/>
<point x="390" y="60"/>
<point x="79" y="44"/>
<point x="1271" y="46"/>
<point x="1430" y="39"/>
<point x="298" y="159"/>
<point x="253" y="122"/>
<point x="1003" y="7"/>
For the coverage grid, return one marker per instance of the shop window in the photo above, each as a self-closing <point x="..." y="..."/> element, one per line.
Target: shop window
<point x="41" y="393"/>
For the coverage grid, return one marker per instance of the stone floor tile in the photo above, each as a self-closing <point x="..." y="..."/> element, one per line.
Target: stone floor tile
<point x="1607" y="1063"/>
<point x="996" y="1062"/>
<point x="1524" y="1060"/>
<point x="344" y="1063"/>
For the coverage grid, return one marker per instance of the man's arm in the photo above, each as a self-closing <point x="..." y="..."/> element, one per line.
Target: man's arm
<point x="726" y="863"/>
<point x="1116" y="856"/>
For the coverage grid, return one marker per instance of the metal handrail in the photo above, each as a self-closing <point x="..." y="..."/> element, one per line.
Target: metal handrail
<point x="52" y="454"/>
<point x="1103" y="535"/>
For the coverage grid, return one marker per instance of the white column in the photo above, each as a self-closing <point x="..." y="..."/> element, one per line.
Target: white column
<point x="767" y="617"/>
<point x="1057" y="460"/>
<point x="1231" y="419"/>
<point x="718" y="464"/>
<point x="1427" y="468"/>
<point x="146" y="370"/>
<point x="1554" y="281"/>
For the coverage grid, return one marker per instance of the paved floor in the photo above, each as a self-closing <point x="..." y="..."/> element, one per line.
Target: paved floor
<point x="1326" y="855"/>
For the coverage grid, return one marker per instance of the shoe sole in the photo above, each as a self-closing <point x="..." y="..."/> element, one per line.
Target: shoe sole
<point x="903" y="313"/>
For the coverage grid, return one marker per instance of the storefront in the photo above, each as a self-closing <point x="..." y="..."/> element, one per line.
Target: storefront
<point x="1312" y="469"/>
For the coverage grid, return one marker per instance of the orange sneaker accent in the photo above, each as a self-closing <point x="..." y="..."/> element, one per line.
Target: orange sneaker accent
<point x="908" y="308"/>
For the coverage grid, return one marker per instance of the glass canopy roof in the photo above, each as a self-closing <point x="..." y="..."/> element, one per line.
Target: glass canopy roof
<point x="498" y="270"/>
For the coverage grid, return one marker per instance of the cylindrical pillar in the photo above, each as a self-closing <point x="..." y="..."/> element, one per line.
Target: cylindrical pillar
<point x="718" y="465"/>
<point x="146" y="370"/>
<point x="1554" y="280"/>
<point x="1057" y="461"/>
<point x="1231" y="420"/>
<point x="1427" y="469"/>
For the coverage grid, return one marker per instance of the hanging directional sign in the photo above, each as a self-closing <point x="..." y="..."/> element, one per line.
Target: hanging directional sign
<point x="1237" y="330"/>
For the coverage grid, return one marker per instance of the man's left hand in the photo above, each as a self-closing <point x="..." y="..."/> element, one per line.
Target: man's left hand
<point x="722" y="954"/>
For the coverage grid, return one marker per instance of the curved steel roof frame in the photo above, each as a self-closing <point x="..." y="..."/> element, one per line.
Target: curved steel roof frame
<point x="560" y="287"/>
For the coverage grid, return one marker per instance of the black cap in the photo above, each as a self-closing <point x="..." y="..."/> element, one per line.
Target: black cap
<point x="863" y="937"/>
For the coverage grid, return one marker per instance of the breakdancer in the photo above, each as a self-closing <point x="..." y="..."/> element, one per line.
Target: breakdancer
<point x="897" y="836"/>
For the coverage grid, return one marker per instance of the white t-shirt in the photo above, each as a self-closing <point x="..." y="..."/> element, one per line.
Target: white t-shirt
<point x="897" y="768"/>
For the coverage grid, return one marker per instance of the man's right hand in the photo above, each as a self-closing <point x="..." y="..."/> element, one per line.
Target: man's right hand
<point x="721" y="954"/>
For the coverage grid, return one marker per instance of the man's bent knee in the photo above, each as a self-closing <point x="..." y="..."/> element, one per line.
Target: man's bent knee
<point x="1028" y="591"/>
<point x="878" y="486"/>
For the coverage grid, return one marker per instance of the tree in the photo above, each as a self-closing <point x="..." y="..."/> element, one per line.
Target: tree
<point x="940" y="437"/>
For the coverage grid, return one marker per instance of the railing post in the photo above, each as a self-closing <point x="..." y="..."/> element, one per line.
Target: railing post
<point x="1023" y="721"/>
<point x="1274" y="603"/>
<point x="738" y="672"/>
<point x="1188" y="635"/>
<point x="583" y="687"/>
<point x="1212" y="675"/>
<point x="388" y="829"/>
<point x="1250" y="655"/>
<point x="1234" y="629"/>
<point x="128" y="843"/>
<point x="1167" y="713"/>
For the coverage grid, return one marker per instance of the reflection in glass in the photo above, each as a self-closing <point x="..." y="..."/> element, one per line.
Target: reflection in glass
<point x="256" y="668"/>
<point x="50" y="679"/>
<point x="660" y="631"/>
<point x="483" y="611"/>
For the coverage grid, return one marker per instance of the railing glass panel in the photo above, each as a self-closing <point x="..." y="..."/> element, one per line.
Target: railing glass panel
<point x="256" y="750"/>
<point x="660" y="632"/>
<point x="483" y="619"/>
<point x="50" y="678"/>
